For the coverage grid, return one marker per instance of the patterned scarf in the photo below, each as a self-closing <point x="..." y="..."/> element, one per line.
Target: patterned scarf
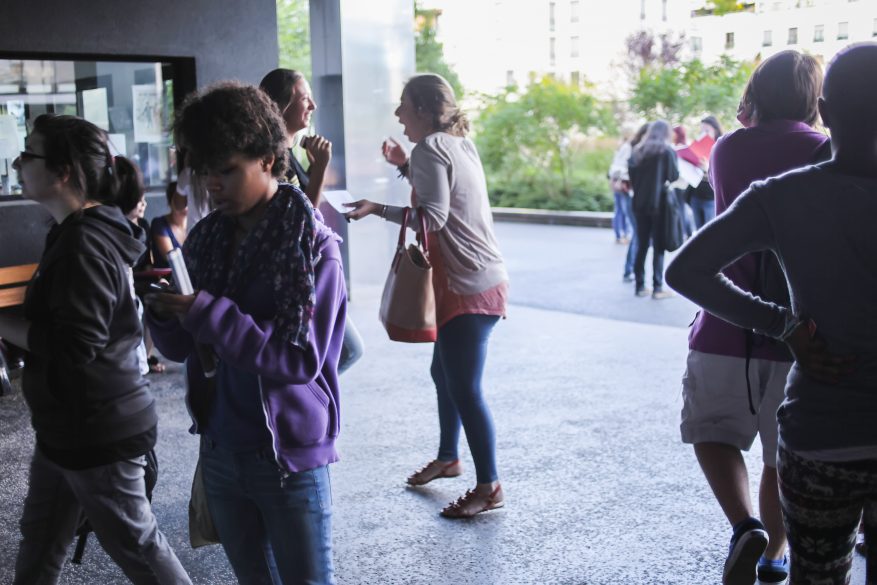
<point x="281" y="247"/>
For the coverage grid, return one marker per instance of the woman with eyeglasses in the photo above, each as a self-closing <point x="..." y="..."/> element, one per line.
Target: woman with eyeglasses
<point x="91" y="408"/>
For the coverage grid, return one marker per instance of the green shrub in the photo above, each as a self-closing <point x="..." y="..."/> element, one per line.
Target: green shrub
<point x="528" y="187"/>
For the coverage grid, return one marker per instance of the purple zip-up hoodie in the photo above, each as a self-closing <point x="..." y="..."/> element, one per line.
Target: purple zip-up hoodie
<point x="299" y="388"/>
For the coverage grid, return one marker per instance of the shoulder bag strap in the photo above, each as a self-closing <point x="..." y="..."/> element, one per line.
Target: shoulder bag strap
<point x="422" y="236"/>
<point x="400" y="246"/>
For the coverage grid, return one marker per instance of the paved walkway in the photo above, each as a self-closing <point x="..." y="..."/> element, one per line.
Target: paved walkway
<point x="600" y="491"/>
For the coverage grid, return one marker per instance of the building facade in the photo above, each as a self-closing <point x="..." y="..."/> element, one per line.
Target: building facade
<point x="818" y="27"/>
<point x="495" y="43"/>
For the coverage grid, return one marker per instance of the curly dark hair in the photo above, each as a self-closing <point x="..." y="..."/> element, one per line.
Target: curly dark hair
<point x="231" y="118"/>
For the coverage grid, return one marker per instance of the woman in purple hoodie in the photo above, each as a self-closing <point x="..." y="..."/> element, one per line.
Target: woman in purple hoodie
<point x="269" y="311"/>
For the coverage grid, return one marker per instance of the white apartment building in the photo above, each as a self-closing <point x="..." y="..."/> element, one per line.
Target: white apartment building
<point x="493" y="43"/>
<point x="817" y="27"/>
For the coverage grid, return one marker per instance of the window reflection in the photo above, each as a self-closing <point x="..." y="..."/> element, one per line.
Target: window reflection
<point x="132" y="101"/>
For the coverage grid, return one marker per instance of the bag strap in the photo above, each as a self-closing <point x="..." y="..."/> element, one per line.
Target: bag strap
<point x="401" y="245"/>
<point x="421" y="236"/>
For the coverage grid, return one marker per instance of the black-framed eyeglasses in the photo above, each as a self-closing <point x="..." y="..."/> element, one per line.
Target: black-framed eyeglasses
<point x="26" y="155"/>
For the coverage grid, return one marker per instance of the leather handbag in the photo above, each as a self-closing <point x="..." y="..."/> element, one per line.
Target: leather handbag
<point x="672" y="221"/>
<point x="408" y="301"/>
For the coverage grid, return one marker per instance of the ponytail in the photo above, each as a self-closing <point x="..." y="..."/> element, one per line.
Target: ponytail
<point x="80" y="148"/>
<point x="130" y="184"/>
<point x="432" y="94"/>
<point x="458" y="123"/>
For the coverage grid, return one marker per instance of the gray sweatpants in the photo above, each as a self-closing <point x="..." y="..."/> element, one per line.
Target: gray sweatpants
<point x="113" y="498"/>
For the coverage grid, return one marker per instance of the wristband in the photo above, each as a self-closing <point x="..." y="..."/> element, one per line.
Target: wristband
<point x="383" y="212"/>
<point x="403" y="169"/>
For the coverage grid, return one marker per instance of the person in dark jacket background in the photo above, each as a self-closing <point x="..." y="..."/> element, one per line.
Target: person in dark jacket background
<point x="652" y="166"/>
<point x="92" y="411"/>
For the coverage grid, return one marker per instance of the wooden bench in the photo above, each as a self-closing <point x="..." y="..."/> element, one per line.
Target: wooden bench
<point x="13" y="284"/>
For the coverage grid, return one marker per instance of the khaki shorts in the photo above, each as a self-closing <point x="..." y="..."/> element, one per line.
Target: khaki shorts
<point x="716" y="408"/>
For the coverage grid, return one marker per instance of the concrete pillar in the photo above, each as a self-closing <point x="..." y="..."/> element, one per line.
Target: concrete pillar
<point x="362" y="53"/>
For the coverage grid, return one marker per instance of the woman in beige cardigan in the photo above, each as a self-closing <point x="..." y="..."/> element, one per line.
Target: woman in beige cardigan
<point x="469" y="278"/>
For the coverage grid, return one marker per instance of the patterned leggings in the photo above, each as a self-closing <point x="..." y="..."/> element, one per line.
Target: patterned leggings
<point x="822" y="504"/>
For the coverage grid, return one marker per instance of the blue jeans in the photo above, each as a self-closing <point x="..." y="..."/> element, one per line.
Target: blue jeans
<point x="704" y="210"/>
<point x="622" y="221"/>
<point x="457" y="366"/>
<point x="687" y="215"/>
<point x="631" y="249"/>
<point x="275" y="530"/>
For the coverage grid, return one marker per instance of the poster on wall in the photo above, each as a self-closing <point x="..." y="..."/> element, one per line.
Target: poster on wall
<point x="147" y="114"/>
<point x="9" y="140"/>
<point x="94" y="107"/>
<point x="117" y="144"/>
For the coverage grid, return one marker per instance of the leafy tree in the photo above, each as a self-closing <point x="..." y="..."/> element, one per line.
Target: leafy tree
<point x="429" y="53"/>
<point x="725" y="6"/>
<point x="691" y="89"/>
<point x="528" y="143"/>
<point x="293" y="35"/>
<point x="645" y="50"/>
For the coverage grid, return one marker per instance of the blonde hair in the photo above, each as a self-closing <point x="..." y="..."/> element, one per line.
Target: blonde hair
<point x="431" y="93"/>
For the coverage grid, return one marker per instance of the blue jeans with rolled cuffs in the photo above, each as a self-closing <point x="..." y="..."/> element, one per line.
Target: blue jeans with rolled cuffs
<point x="273" y="532"/>
<point x="457" y="367"/>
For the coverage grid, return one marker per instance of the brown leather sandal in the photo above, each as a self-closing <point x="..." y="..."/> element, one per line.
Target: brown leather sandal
<point x="435" y="469"/>
<point x="472" y="503"/>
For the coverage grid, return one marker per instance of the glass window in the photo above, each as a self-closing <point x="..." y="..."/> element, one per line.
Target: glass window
<point x="574" y="47"/>
<point x="552" y="58"/>
<point x="819" y="33"/>
<point x="874" y="33"/>
<point x="132" y="101"/>
<point x="696" y="45"/>
<point x="575" y="78"/>
<point x="767" y="39"/>
<point x="843" y="31"/>
<point x="793" y="36"/>
<point x="729" y="40"/>
<point x="574" y="11"/>
<point x="551" y="10"/>
<point x="510" y="77"/>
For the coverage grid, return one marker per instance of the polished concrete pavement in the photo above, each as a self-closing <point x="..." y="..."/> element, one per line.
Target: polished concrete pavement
<point x="584" y="383"/>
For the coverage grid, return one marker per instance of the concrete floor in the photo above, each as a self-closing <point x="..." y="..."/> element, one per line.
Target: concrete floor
<point x="584" y="383"/>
